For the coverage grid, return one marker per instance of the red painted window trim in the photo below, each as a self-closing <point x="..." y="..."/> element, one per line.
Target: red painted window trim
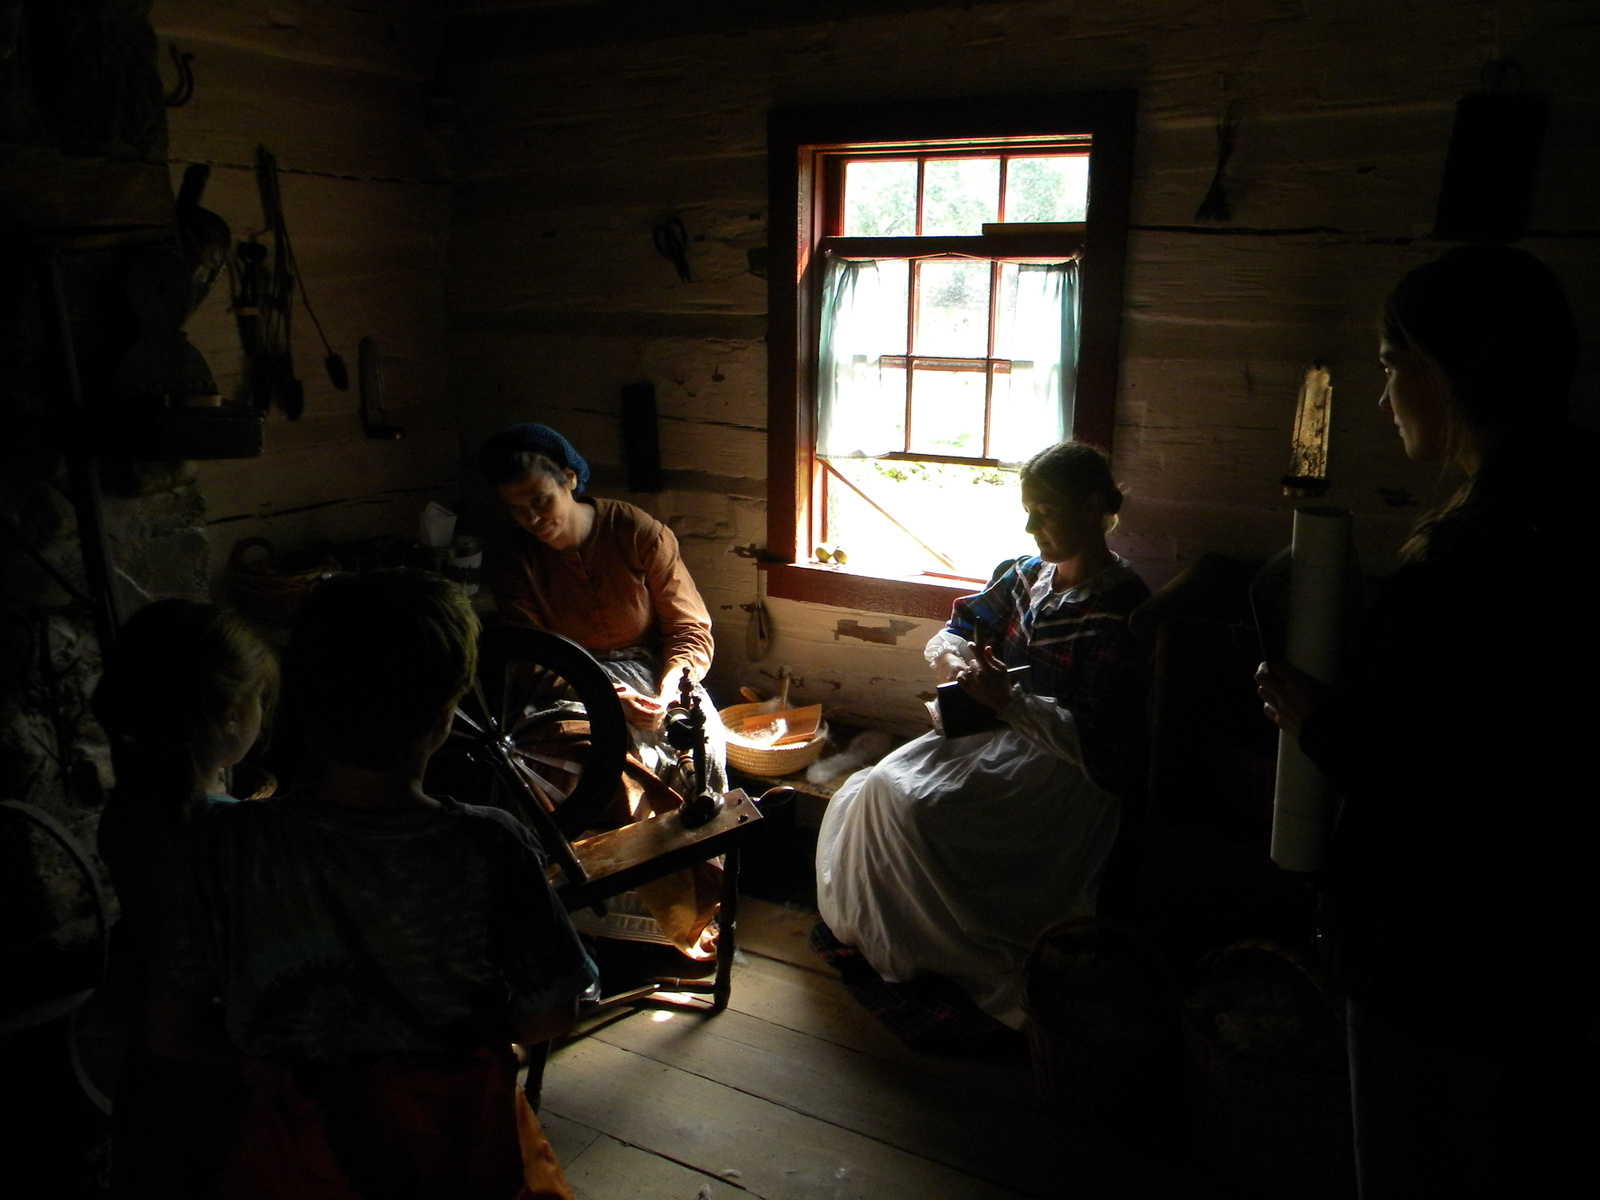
<point x="910" y="596"/>
<point x="797" y="202"/>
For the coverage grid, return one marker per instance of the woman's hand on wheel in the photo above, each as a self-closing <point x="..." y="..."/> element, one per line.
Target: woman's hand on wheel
<point x="985" y="679"/>
<point x="643" y="712"/>
<point x="1288" y="695"/>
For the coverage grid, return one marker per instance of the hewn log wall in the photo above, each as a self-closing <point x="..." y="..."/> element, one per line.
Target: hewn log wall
<point x="338" y="91"/>
<point x="581" y="124"/>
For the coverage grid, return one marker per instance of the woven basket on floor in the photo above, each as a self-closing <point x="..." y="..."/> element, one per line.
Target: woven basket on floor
<point x="1269" y="1091"/>
<point x="1102" y="1011"/>
<point x="769" y="760"/>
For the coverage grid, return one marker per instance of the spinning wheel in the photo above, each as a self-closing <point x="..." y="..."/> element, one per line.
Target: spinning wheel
<point x="530" y="676"/>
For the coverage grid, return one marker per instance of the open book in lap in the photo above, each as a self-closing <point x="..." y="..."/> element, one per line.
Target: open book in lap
<point x="956" y="714"/>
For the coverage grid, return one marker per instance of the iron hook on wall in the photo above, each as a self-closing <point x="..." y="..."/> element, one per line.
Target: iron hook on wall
<point x="672" y="243"/>
<point x="183" y="91"/>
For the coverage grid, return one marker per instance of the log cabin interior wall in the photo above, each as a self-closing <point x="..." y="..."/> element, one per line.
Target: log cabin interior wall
<point x="474" y="185"/>
<point x="579" y="125"/>
<point x="339" y="93"/>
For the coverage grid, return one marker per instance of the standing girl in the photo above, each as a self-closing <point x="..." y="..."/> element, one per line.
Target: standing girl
<point x="185" y="693"/>
<point x="1461" y="896"/>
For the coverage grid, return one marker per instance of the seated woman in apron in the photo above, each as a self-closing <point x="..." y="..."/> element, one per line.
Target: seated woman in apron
<point x="938" y="867"/>
<point x="609" y="576"/>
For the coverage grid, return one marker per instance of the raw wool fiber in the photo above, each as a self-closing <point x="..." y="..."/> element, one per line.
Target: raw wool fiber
<point x="865" y="748"/>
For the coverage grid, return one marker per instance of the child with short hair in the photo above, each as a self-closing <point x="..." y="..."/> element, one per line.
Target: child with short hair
<point x="376" y="949"/>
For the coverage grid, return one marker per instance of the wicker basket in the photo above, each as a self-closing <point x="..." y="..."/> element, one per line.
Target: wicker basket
<point x="1102" y="1011"/>
<point x="1276" y="1122"/>
<point x="769" y="760"/>
<point x="268" y="588"/>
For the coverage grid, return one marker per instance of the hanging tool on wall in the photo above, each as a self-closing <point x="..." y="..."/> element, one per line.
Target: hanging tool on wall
<point x="672" y="243"/>
<point x="271" y="367"/>
<point x="333" y="364"/>
<point x="1496" y="143"/>
<point x="183" y="91"/>
<point x="1216" y="206"/>
<point x="758" y="629"/>
<point x="204" y="236"/>
<point x="246" y="283"/>
<point x="338" y="373"/>
<point x="263" y="303"/>
<point x="374" y="418"/>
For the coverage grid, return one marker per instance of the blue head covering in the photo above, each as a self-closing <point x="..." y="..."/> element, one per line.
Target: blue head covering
<point x="530" y="438"/>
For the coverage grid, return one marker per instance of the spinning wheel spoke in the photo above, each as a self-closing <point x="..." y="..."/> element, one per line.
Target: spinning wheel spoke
<point x="546" y="792"/>
<point x="561" y="764"/>
<point x="524" y="672"/>
<point x="465" y="726"/>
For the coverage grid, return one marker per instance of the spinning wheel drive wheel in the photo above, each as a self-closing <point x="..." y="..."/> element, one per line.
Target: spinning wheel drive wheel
<point x="533" y="671"/>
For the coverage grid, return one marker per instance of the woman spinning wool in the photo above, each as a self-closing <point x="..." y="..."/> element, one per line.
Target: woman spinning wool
<point x="951" y="855"/>
<point x="609" y="576"/>
<point x="603" y="573"/>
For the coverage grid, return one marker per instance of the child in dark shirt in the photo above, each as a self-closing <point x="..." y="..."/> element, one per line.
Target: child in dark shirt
<point x="375" y="949"/>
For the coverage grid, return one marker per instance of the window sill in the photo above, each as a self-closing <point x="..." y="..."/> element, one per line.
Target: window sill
<point x="906" y="596"/>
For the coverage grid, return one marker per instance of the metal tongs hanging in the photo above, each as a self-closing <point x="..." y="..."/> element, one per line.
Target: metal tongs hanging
<point x="264" y="287"/>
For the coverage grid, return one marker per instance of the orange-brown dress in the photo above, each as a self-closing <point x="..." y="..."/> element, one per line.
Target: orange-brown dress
<point x="625" y="586"/>
<point x="625" y="589"/>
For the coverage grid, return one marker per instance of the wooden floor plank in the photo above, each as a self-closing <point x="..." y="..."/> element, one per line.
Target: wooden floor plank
<point x="779" y="931"/>
<point x="1017" y="1146"/>
<point x="613" y="1170"/>
<point x="567" y="1138"/>
<point x="889" y="1103"/>
<point x="768" y="1150"/>
<point x="796" y="1091"/>
<point x="819" y="1006"/>
<point x="784" y="982"/>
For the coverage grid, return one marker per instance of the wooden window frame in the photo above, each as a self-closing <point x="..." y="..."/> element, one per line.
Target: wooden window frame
<point x="798" y="142"/>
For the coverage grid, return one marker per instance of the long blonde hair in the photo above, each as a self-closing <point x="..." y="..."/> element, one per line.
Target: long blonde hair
<point x="1495" y="323"/>
<point x="167" y="685"/>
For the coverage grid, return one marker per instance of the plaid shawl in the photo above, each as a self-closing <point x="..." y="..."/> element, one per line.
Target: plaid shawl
<point x="1081" y="652"/>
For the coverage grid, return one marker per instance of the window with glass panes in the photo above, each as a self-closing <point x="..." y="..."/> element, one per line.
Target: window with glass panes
<point x="944" y="299"/>
<point x="946" y="346"/>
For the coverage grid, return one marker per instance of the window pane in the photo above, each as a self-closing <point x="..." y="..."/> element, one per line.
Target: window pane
<point x="1034" y="331"/>
<point x="1047" y="189"/>
<point x="880" y="199"/>
<point x="952" y="309"/>
<point x="947" y="411"/>
<point x="972" y="516"/>
<point x="960" y="194"/>
<point x="862" y="400"/>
